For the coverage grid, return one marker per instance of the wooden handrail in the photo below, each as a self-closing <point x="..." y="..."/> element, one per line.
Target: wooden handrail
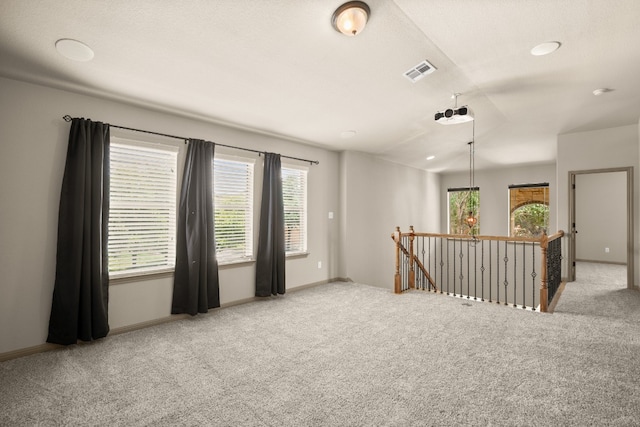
<point x="499" y="238"/>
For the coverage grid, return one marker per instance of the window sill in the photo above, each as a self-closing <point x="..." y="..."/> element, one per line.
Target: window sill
<point x="235" y="263"/>
<point x="297" y="255"/>
<point x="119" y="278"/>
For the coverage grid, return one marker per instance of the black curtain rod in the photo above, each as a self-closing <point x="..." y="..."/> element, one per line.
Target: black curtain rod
<point x="68" y="118"/>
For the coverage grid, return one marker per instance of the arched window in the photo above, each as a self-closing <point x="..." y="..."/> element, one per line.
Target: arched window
<point x="529" y="210"/>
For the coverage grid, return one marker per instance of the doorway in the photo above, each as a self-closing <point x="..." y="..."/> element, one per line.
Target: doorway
<point x="590" y="205"/>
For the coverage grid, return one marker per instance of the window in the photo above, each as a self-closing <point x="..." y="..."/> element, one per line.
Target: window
<point x="142" y="210"/>
<point x="294" y="194"/>
<point x="461" y="202"/>
<point x="528" y="210"/>
<point x="233" y="203"/>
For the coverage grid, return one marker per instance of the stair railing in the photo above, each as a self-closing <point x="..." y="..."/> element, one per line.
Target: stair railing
<point x="498" y="269"/>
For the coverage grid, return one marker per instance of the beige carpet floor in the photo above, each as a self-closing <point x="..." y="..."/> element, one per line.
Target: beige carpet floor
<point x="347" y="354"/>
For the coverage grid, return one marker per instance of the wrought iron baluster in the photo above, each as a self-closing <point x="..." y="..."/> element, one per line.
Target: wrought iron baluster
<point x="454" y="266"/>
<point x="468" y="267"/>
<point x="506" y="280"/>
<point x="441" y="266"/>
<point x="524" y="277"/>
<point x="461" y="276"/>
<point x="498" y="272"/>
<point x="475" y="271"/>
<point x="429" y="258"/>
<point x="482" y="270"/>
<point x="533" y="277"/>
<point x="515" y="272"/>
<point x="490" y="271"/>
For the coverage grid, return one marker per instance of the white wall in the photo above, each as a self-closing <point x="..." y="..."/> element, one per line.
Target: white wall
<point x="599" y="149"/>
<point x="601" y="217"/>
<point x="33" y="142"/>
<point x="494" y="194"/>
<point x="376" y="197"/>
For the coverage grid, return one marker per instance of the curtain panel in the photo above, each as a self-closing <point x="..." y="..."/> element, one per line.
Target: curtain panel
<point x="79" y="309"/>
<point x="196" y="284"/>
<point x="270" y="262"/>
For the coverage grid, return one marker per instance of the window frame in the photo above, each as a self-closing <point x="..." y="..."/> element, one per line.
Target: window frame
<point x="304" y="250"/>
<point x="175" y="150"/>
<point x="250" y="223"/>
<point x="546" y="198"/>
<point x="476" y="210"/>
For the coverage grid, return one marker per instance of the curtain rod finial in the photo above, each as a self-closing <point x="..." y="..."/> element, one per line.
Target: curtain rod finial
<point x="67" y="118"/>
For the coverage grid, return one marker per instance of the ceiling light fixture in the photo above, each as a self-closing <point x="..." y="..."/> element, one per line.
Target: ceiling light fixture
<point x="74" y="50"/>
<point x="455" y="115"/>
<point x="600" y="91"/>
<point x="545" y="48"/>
<point x="347" y="134"/>
<point x="351" y="18"/>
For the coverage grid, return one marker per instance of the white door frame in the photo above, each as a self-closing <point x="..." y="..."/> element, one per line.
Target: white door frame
<point x="572" y="221"/>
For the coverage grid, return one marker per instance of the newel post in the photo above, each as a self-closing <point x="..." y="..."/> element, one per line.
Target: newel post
<point x="397" y="278"/>
<point x="544" y="244"/>
<point x="412" y="272"/>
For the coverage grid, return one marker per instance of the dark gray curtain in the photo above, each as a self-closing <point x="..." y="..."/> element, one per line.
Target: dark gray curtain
<point x="195" y="285"/>
<point x="270" y="277"/>
<point x="79" y="310"/>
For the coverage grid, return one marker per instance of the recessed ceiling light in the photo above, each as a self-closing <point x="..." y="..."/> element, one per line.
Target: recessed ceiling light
<point x="348" y="134"/>
<point x="74" y="50"/>
<point x="545" y="48"/>
<point x="431" y="157"/>
<point x="602" y="90"/>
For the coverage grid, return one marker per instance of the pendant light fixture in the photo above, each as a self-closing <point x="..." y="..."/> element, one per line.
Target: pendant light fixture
<point x="351" y="18"/>
<point x="471" y="219"/>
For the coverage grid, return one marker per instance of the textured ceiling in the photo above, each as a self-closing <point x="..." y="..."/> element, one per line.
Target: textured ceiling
<point x="279" y="67"/>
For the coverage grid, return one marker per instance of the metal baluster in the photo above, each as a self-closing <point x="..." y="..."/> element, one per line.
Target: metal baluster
<point x="490" y="271"/>
<point x="524" y="277"/>
<point x="461" y="276"/>
<point x="468" y="267"/>
<point x="506" y="280"/>
<point x="406" y="265"/>
<point x="425" y="283"/>
<point x="533" y="277"/>
<point x="482" y="270"/>
<point x="441" y="266"/>
<point x="475" y="271"/>
<point x="430" y="270"/>
<point x="454" y="266"/>
<point x="515" y="272"/>
<point x="498" y="272"/>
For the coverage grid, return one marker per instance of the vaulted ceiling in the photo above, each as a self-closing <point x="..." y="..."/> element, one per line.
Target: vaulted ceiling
<point x="278" y="67"/>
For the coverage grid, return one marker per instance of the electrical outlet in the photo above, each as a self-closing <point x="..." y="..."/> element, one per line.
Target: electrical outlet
<point x="606" y="250"/>
<point x="330" y="215"/>
<point x="319" y="264"/>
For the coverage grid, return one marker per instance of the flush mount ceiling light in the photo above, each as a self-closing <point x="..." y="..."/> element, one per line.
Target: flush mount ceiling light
<point x="351" y="18"/>
<point x="602" y="90"/>
<point x="455" y="115"/>
<point x="347" y="134"/>
<point x="545" y="48"/>
<point x="74" y="50"/>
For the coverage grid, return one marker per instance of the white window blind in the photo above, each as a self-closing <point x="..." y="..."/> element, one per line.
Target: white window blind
<point x="142" y="211"/>
<point x="294" y="194"/>
<point x="233" y="207"/>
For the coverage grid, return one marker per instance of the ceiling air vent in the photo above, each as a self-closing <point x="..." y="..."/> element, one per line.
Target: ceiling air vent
<point x="419" y="71"/>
